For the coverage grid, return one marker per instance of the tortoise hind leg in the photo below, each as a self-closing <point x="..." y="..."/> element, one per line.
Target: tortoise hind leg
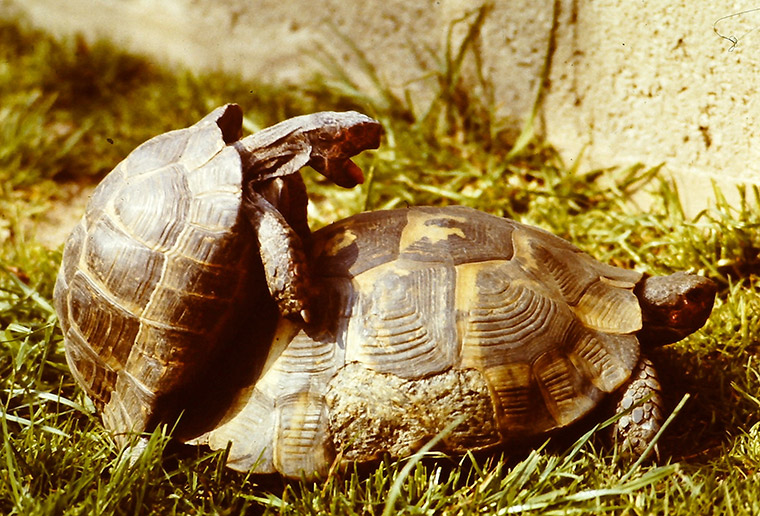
<point x="636" y="429"/>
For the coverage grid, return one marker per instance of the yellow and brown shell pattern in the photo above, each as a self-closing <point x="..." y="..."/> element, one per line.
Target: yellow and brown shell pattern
<point x="431" y="315"/>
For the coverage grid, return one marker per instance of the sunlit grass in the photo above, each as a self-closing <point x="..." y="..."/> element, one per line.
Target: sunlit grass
<point x="70" y="111"/>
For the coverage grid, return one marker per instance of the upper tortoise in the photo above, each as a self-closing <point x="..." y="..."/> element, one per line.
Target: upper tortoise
<point x="165" y="273"/>
<point x="369" y="336"/>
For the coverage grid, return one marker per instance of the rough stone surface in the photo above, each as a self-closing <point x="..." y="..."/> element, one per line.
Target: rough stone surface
<point x="654" y="82"/>
<point x="371" y="413"/>
<point x="628" y="82"/>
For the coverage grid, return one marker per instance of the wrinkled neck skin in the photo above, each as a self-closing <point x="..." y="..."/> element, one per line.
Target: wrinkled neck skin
<point x="673" y="306"/>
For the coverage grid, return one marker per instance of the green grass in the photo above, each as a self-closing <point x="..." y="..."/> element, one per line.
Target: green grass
<point x="70" y="111"/>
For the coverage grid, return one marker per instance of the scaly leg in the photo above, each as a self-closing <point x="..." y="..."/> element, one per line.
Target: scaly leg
<point x="636" y="429"/>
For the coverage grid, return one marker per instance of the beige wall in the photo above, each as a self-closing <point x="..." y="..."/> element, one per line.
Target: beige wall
<point x="630" y="81"/>
<point x="651" y="81"/>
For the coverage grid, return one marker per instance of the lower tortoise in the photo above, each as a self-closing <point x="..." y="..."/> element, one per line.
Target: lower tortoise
<point x="432" y="314"/>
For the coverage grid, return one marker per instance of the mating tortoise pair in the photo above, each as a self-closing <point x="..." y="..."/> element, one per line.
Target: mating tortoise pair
<point x="193" y="289"/>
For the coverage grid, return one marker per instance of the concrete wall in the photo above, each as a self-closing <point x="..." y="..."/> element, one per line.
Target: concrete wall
<point x="652" y="81"/>
<point x="630" y="81"/>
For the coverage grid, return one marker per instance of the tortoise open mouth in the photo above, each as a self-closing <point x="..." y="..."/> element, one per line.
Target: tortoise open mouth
<point x="342" y="172"/>
<point x="338" y="168"/>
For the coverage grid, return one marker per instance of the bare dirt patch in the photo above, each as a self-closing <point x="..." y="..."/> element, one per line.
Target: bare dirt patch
<point x="56" y="223"/>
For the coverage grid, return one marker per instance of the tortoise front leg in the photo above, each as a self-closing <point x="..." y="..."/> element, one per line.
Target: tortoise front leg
<point x="636" y="429"/>
<point x="282" y="252"/>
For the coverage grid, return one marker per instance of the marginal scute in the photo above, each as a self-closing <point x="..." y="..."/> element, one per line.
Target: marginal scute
<point x="109" y="330"/>
<point x="249" y="450"/>
<point x="605" y="363"/>
<point x="608" y="309"/>
<point x="567" y="394"/>
<point x="88" y="368"/>
<point x="130" y="406"/>
<point x="302" y="445"/>
<point x="512" y="384"/>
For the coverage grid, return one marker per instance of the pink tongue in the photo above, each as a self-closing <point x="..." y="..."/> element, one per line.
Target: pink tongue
<point x="348" y="176"/>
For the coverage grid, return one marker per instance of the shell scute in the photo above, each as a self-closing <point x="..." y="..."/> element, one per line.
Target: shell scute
<point x="302" y="444"/>
<point x="89" y="369"/>
<point x="249" y="449"/>
<point x="609" y="309"/>
<point x="154" y="207"/>
<point x="503" y="319"/>
<point x="567" y="393"/>
<point x="109" y="329"/>
<point x="455" y="235"/>
<point x="337" y="254"/>
<point x="600" y="295"/>
<point x="606" y="359"/>
<point x="401" y="321"/>
<point x="108" y="257"/>
<point x="513" y="386"/>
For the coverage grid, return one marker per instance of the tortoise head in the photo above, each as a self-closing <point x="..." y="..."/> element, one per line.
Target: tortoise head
<point x="326" y="141"/>
<point x="335" y="138"/>
<point x="673" y="306"/>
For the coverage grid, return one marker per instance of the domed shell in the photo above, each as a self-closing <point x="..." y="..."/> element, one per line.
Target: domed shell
<point x="153" y="274"/>
<point x="551" y="329"/>
<point x="429" y="314"/>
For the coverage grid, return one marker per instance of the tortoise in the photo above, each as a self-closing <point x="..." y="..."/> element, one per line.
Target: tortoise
<point x="429" y="315"/>
<point x="367" y="337"/>
<point x="160" y="274"/>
